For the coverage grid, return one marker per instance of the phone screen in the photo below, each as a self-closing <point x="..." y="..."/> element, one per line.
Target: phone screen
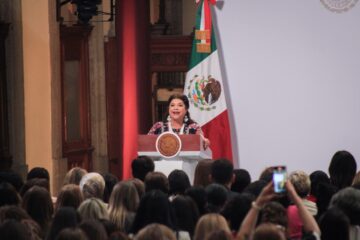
<point x="279" y="179"/>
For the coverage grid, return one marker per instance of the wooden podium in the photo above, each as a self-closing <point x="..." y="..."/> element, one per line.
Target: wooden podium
<point x="191" y="152"/>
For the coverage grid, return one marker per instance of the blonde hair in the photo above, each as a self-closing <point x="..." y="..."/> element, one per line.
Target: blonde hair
<point x="124" y="199"/>
<point x="93" y="208"/>
<point x="209" y="223"/>
<point x="92" y="185"/>
<point x="301" y="182"/>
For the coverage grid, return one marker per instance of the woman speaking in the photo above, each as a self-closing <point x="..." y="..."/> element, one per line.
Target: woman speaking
<point x="178" y="119"/>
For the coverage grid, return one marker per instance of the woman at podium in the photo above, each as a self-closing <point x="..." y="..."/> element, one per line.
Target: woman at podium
<point x="178" y="119"/>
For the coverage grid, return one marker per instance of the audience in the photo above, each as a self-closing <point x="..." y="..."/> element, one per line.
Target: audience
<point x="222" y="203"/>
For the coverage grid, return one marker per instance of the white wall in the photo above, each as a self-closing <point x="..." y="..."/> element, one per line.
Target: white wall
<point x="293" y="73"/>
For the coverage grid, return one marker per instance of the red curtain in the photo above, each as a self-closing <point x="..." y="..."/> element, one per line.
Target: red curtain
<point x="132" y="32"/>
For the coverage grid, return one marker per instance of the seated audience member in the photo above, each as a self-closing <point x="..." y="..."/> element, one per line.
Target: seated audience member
<point x="119" y="236"/>
<point x="208" y="224"/>
<point x="13" y="212"/>
<point x="178" y="183"/>
<point x="139" y="185"/>
<point x="325" y="191"/>
<point x="71" y="234"/>
<point x="242" y="180"/>
<point x="334" y="225"/>
<point x="348" y="201"/>
<point x="38" y="204"/>
<point x="216" y="195"/>
<point x="38" y="172"/>
<point x="93" y="229"/>
<point x="247" y="228"/>
<point x="69" y="196"/>
<point x="40" y="182"/>
<point x="92" y="185"/>
<point x="269" y="231"/>
<point x="74" y="175"/>
<point x="273" y="212"/>
<point x="155" y="231"/>
<point x="11" y="230"/>
<point x="301" y="183"/>
<point x="316" y="178"/>
<point x="156" y="180"/>
<point x="13" y="178"/>
<point x="202" y="173"/>
<point x="109" y="226"/>
<point x="186" y="213"/>
<point x="8" y="195"/>
<point x="154" y="207"/>
<point x="236" y="209"/>
<point x="198" y="194"/>
<point x="65" y="217"/>
<point x="124" y="201"/>
<point x="222" y="173"/>
<point x="141" y="166"/>
<point x="93" y="208"/>
<point x="255" y="187"/>
<point x="342" y="169"/>
<point x="110" y="181"/>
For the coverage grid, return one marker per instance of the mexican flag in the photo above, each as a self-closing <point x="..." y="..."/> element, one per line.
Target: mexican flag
<point x="204" y="85"/>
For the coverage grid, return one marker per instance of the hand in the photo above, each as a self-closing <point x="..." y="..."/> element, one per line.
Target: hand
<point x="206" y="143"/>
<point x="266" y="195"/>
<point x="291" y="191"/>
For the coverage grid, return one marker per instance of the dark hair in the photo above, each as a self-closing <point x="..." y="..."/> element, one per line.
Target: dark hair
<point x="38" y="172"/>
<point x="40" y="182"/>
<point x="12" y="229"/>
<point x="141" y="166"/>
<point x="267" y="174"/>
<point x="38" y="204"/>
<point x="178" y="182"/>
<point x="156" y="180"/>
<point x="334" y="225"/>
<point x="316" y="178"/>
<point x="274" y="212"/>
<point x="13" y="212"/>
<point x="198" y="194"/>
<point x="342" y="169"/>
<point x="185" y="100"/>
<point x="216" y="197"/>
<point x="324" y="192"/>
<point x="154" y="207"/>
<point x="236" y="209"/>
<point x="255" y="187"/>
<point x="8" y="195"/>
<point x="66" y="217"/>
<point x="71" y="234"/>
<point x="186" y="213"/>
<point x="12" y="178"/>
<point x="93" y="229"/>
<point x="110" y="182"/>
<point x="242" y="180"/>
<point x="222" y="171"/>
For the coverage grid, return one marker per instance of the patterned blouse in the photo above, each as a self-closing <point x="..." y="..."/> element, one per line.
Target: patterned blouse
<point x="161" y="127"/>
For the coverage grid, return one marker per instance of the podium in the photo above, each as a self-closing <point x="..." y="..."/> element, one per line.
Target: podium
<point x="191" y="152"/>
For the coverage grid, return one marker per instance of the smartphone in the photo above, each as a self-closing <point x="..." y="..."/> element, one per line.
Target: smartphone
<point x="279" y="178"/>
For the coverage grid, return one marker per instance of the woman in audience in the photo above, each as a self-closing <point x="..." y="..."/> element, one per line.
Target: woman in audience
<point x="71" y="234"/>
<point x="154" y="207"/>
<point x="178" y="183"/>
<point x="93" y="229"/>
<point x="92" y="185"/>
<point x="267" y="194"/>
<point x="202" y="173"/>
<point x="316" y="178"/>
<point x="156" y="181"/>
<point x="155" y="231"/>
<point x="65" y="217"/>
<point x="110" y="182"/>
<point x="342" y="169"/>
<point x="210" y="223"/>
<point x="38" y="204"/>
<point x="124" y="201"/>
<point x="93" y="208"/>
<point x="69" y="196"/>
<point x="198" y="194"/>
<point x="216" y="195"/>
<point x="242" y="180"/>
<point x="8" y="195"/>
<point x="74" y="175"/>
<point x="334" y="225"/>
<point x="269" y="231"/>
